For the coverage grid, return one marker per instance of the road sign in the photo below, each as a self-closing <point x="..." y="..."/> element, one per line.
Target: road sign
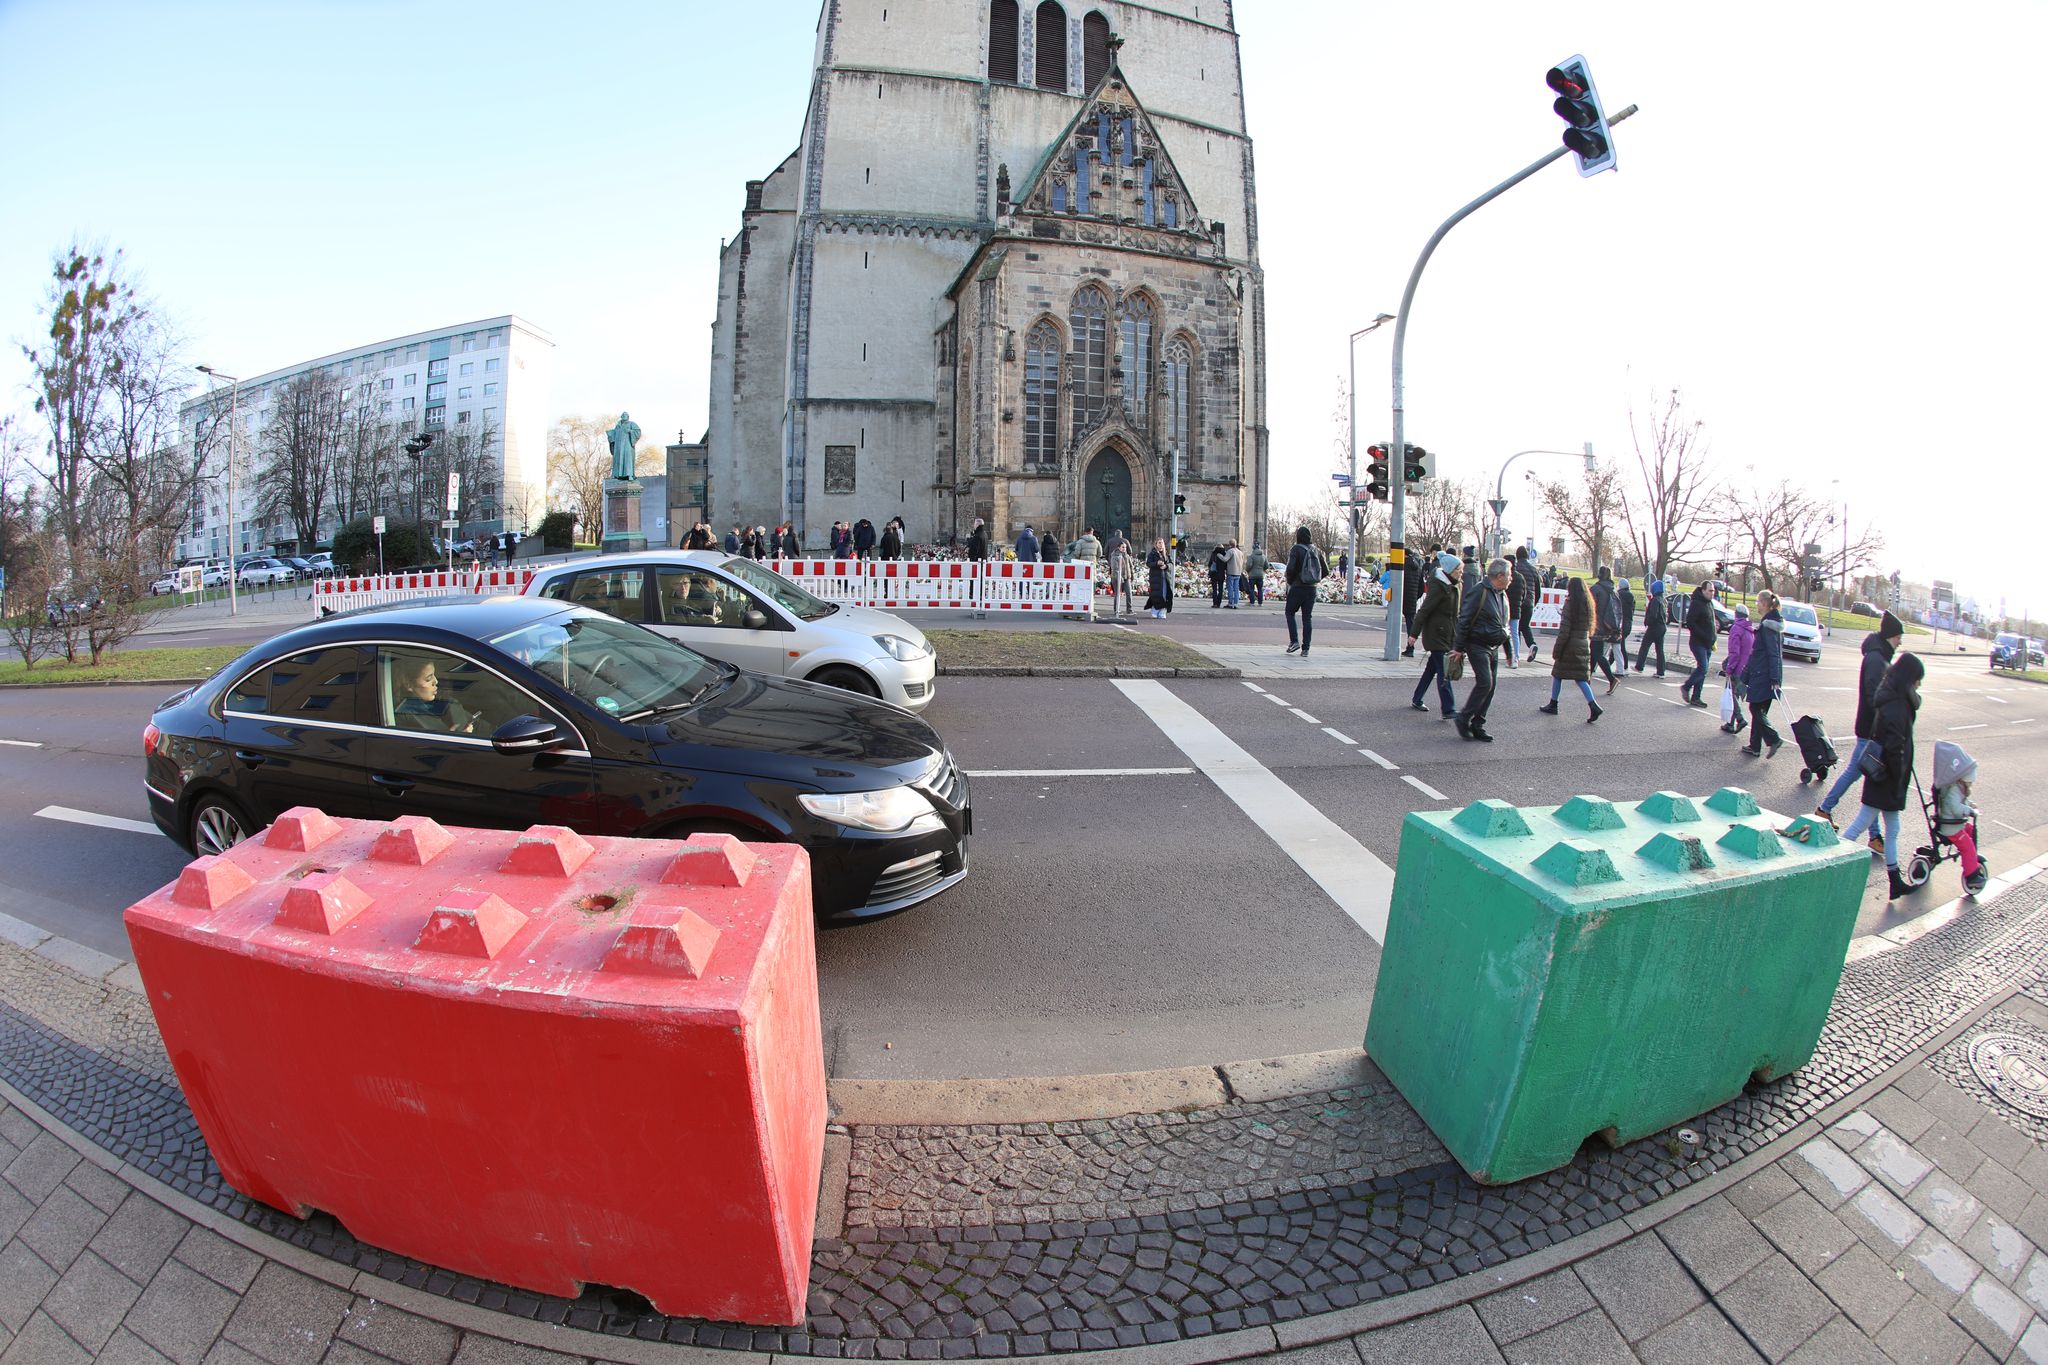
<point x="377" y="525"/>
<point x="454" y="490"/>
<point x="450" y="524"/>
<point x="1499" y="505"/>
<point x="1341" y="478"/>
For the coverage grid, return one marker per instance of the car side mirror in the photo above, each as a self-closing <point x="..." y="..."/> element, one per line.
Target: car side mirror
<point x="527" y="735"/>
<point x="755" y="619"/>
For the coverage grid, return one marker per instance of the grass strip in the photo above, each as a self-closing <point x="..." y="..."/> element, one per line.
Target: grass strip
<point x="1101" y="647"/>
<point x="127" y="665"/>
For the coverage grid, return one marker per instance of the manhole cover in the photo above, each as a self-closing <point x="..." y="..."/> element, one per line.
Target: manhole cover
<point x="2013" y="1068"/>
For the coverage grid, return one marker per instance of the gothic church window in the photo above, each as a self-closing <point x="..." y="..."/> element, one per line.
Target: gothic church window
<point x="1136" y="336"/>
<point x="1088" y="321"/>
<point x="1042" y="395"/>
<point x="1052" y="46"/>
<point x="1094" y="49"/>
<point x="1002" y="40"/>
<point x="1180" y="416"/>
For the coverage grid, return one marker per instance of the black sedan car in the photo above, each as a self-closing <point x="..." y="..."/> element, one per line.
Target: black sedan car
<point x="507" y="712"/>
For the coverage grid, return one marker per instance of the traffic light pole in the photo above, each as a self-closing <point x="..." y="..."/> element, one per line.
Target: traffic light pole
<point x="1396" y="553"/>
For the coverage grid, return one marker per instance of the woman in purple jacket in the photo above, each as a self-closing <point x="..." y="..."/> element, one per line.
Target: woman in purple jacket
<point x="1741" y="638"/>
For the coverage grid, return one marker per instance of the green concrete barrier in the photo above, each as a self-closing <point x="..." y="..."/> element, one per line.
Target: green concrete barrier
<point x="1555" y="973"/>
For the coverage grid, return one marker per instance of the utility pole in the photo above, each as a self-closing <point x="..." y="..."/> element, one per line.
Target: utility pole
<point x="1397" y="520"/>
<point x="1351" y="492"/>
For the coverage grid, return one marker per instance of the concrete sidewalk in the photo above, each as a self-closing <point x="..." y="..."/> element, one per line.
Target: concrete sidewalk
<point x="1885" y="1201"/>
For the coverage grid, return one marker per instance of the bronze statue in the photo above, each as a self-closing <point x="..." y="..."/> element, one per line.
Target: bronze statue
<point x="623" y="438"/>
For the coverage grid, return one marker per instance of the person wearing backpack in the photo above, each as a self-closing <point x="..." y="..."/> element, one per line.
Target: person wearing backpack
<point x="1306" y="567"/>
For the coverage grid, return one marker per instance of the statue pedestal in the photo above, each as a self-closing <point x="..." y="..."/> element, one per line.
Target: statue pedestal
<point x="622" y="533"/>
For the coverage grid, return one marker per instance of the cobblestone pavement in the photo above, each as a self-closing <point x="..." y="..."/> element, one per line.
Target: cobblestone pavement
<point x="1908" y="1227"/>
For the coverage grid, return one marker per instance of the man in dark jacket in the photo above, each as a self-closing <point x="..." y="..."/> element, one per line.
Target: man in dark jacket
<point x="1482" y="629"/>
<point x="892" y="538"/>
<point x="977" y="540"/>
<point x="1606" y="618"/>
<point x="1218" y="559"/>
<point x="1885" y="790"/>
<point x="1414" y="582"/>
<point x="1049" y="547"/>
<point x="1027" y="545"/>
<point x="1878" y="648"/>
<point x="1526" y="589"/>
<point x="1306" y="567"/>
<point x="732" y="541"/>
<point x="863" y="539"/>
<point x="1701" y="631"/>
<point x="1625" y="599"/>
<point x="1654" y="625"/>
<point x="1436" y="626"/>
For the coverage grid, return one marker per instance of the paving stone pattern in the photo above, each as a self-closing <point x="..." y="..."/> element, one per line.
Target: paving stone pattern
<point x="1021" y="1282"/>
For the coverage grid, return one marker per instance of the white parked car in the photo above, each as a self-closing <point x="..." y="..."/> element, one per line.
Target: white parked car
<point x="323" y="563"/>
<point x="736" y="611"/>
<point x="164" y="584"/>
<point x="1803" y="632"/>
<point x="260" y="571"/>
<point x="216" y="574"/>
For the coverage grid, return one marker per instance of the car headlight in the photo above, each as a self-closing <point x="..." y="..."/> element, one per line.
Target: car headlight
<point x="895" y="810"/>
<point x="900" y="649"/>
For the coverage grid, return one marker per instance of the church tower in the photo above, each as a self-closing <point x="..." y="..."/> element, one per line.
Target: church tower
<point x="1010" y="272"/>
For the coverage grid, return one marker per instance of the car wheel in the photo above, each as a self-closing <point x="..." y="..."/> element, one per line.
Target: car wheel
<point x="217" y="826"/>
<point x="847" y="680"/>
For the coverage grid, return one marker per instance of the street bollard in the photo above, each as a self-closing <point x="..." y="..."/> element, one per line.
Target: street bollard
<point x="1555" y="973"/>
<point x="535" y="1058"/>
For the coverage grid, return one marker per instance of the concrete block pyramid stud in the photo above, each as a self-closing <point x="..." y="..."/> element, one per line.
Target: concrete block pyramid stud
<point x="1594" y="968"/>
<point x="631" y="1026"/>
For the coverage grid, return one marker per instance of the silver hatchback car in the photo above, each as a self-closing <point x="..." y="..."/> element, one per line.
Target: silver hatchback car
<point x="739" y="612"/>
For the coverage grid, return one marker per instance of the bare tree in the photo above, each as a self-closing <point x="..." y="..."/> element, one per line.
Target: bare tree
<point x="1667" y="512"/>
<point x="1587" y="509"/>
<point x="300" y="445"/>
<point x="1440" y="512"/>
<point x="579" y="461"/>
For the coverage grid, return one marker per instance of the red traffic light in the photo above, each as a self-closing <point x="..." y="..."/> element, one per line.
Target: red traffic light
<point x="1568" y="81"/>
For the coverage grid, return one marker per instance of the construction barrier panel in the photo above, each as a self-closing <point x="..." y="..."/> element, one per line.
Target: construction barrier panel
<point x="346" y="593"/>
<point x="537" y="1058"/>
<point x="1066" y="587"/>
<point x="834" y="580"/>
<point x="1558" y="972"/>
<point x="900" y="583"/>
<point x="1549" y="613"/>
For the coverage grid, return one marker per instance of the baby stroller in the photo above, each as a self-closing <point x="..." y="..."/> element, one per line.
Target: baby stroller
<point x="1950" y="764"/>
<point x="1815" y="750"/>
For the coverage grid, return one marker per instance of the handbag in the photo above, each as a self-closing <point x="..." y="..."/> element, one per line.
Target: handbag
<point x="1454" y="668"/>
<point x="1728" y="702"/>
<point x="1871" y="765"/>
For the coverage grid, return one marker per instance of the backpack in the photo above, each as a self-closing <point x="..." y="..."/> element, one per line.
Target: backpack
<point x="1313" y="567"/>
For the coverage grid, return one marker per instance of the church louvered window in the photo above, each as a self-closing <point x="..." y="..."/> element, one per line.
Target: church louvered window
<point x="1042" y="395"/>
<point x="1052" y="47"/>
<point x="1136" y="329"/>
<point x="1002" y="40"/>
<point x="1088" y="320"/>
<point x="1094" y="49"/>
<point x="1177" y="398"/>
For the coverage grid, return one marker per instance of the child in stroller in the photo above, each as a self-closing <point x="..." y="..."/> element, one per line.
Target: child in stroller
<point x="1951" y="820"/>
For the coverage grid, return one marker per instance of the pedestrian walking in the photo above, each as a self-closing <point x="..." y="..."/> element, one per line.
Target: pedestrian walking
<point x="1027" y="545"/>
<point x="1306" y="567"/>
<point x="1121" y="565"/>
<point x="1884" y="790"/>
<point x="786" y="543"/>
<point x="1255" y="566"/>
<point x="1571" y="658"/>
<point x="1606" y="623"/>
<point x="892" y="539"/>
<point x="977" y="540"/>
<point x="1764" y="678"/>
<point x="1878" y="648"/>
<point x="1701" y="631"/>
<point x="1741" y="643"/>
<point x="1528" y="588"/>
<point x="1217" y="559"/>
<point x="863" y="539"/>
<point x="1159" y="581"/>
<point x="1655" y="623"/>
<point x="1625" y="600"/>
<point x="1233" y="573"/>
<point x="1482" y="628"/>
<point x="1436" y="626"/>
<point x="1415" y="581"/>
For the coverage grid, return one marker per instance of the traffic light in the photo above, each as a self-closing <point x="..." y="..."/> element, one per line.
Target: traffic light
<point x="1180" y="504"/>
<point x="1419" y="465"/>
<point x="1578" y="104"/>
<point x="1376" y="483"/>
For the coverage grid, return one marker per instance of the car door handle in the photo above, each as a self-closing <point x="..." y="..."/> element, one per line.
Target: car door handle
<point x="397" y="786"/>
<point x="249" y="758"/>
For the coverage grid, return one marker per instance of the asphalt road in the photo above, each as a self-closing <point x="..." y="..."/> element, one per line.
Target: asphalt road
<point x="1123" y="915"/>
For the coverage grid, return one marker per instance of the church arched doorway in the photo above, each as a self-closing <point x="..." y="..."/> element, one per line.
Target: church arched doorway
<point x="1106" y="492"/>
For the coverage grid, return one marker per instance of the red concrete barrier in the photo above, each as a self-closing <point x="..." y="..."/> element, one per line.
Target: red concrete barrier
<point x="537" y="1058"/>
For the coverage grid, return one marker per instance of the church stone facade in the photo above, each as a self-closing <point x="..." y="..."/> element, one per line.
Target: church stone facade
<point x="1010" y="272"/>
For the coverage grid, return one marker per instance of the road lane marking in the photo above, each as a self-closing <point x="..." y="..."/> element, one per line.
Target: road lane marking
<point x="1304" y="715"/>
<point x="1253" y="686"/>
<point x="1078" y="772"/>
<point x="86" y="817"/>
<point x="1978" y="726"/>
<point x="1644" y="692"/>
<point x="1338" y="735"/>
<point x="2001" y="824"/>
<point x="2028" y="721"/>
<point x="1275" y="700"/>
<point x="1431" y="792"/>
<point x="1360" y="884"/>
<point x="23" y="743"/>
<point x="1390" y="767"/>
<point x="1993" y="696"/>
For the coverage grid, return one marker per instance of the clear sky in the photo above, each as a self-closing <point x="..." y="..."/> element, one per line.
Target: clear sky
<point x="1825" y="231"/>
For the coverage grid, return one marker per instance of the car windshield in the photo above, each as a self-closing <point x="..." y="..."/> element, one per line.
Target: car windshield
<point x="1803" y="615"/>
<point x="779" y="590"/>
<point x="621" y="669"/>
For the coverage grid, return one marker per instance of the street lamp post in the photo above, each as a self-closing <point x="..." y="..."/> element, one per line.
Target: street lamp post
<point x="1351" y="492"/>
<point x="234" y="433"/>
<point x="1500" y="502"/>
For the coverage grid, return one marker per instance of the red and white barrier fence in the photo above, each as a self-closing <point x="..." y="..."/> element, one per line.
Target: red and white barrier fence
<point x="345" y="593"/>
<point x="1549" y="613"/>
<point x="1018" y="586"/>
